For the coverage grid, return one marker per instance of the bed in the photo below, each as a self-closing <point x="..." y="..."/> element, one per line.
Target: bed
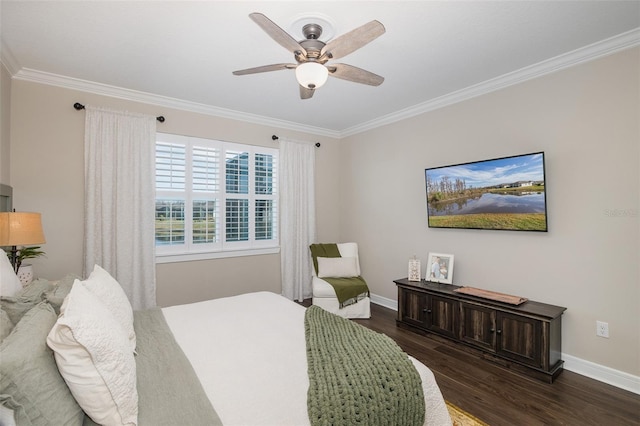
<point x="238" y="360"/>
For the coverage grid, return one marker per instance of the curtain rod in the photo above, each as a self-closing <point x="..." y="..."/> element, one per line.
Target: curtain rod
<point x="275" y="138"/>
<point x="79" y="106"/>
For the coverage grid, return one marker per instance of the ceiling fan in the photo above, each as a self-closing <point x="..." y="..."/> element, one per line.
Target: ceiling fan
<point x="312" y="54"/>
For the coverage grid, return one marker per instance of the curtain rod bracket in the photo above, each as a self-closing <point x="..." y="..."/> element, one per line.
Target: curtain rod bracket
<point x="275" y="138"/>
<point x="78" y="106"/>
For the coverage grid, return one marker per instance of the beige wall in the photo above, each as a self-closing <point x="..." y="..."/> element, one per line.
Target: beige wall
<point x="586" y="120"/>
<point x="370" y="189"/>
<point x="47" y="176"/>
<point x="5" y="117"/>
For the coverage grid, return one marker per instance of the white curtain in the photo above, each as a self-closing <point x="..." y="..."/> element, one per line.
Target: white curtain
<point x="297" y="217"/>
<point x="119" y="200"/>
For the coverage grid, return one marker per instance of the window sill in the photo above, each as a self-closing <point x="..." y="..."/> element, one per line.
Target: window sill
<point x="190" y="257"/>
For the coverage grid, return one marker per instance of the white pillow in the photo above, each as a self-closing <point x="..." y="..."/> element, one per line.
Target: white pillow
<point x="95" y="359"/>
<point x="337" y="267"/>
<point x="111" y="294"/>
<point x="9" y="283"/>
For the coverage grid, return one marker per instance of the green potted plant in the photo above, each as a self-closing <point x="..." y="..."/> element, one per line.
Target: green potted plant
<point x="26" y="274"/>
<point x="27" y="253"/>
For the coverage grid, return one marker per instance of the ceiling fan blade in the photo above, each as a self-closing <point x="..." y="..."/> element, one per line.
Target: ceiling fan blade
<point x="355" y="74"/>
<point x="353" y="40"/>
<point x="265" y="68"/>
<point x="278" y="34"/>
<point x="305" y="92"/>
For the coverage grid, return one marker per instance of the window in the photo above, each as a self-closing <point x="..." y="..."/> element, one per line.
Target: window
<point x="214" y="198"/>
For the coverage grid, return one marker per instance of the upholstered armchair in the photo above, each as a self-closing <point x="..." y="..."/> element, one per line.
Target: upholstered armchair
<point x="337" y="284"/>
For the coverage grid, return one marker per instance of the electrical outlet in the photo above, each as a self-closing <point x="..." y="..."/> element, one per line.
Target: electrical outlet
<point x="602" y="329"/>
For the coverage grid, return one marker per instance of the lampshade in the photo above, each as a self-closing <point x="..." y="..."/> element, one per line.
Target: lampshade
<point x="311" y="74"/>
<point x="20" y="228"/>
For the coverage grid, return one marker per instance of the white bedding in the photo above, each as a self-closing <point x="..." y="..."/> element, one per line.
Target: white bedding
<point x="249" y="352"/>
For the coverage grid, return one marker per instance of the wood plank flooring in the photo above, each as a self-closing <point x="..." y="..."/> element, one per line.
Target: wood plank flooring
<point x="500" y="396"/>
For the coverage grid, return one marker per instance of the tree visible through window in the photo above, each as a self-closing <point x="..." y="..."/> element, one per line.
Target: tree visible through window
<point x="214" y="196"/>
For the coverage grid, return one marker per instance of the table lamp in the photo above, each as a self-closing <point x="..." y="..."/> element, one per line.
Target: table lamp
<point x="20" y="229"/>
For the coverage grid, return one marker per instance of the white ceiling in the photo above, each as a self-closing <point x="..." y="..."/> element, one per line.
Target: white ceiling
<point x="181" y="54"/>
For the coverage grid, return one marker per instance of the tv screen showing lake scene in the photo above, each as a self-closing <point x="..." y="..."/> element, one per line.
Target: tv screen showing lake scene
<point x="504" y="193"/>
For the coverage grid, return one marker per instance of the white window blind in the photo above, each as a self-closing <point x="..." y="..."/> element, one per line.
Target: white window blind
<point x="214" y="197"/>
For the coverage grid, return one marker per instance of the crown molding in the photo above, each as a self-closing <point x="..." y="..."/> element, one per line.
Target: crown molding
<point x="588" y="53"/>
<point x="585" y="54"/>
<point x="35" y="76"/>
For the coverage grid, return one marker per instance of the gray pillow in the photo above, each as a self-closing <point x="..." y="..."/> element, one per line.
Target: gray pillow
<point x="30" y="383"/>
<point x="35" y="289"/>
<point x="55" y="296"/>
<point x="16" y="307"/>
<point x="22" y="302"/>
<point x="6" y="325"/>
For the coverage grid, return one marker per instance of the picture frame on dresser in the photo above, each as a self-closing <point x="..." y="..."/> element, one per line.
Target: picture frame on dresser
<point x="440" y="268"/>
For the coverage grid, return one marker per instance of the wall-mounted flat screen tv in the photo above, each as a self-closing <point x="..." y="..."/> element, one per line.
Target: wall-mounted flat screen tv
<point x="505" y="193"/>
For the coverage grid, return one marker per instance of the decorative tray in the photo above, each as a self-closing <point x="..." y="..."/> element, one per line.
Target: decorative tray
<point x="492" y="295"/>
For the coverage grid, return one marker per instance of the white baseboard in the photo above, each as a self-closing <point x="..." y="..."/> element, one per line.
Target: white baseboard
<point x="383" y="301"/>
<point x="608" y="375"/>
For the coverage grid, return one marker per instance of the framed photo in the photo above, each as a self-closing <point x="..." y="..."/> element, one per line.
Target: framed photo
<point x="440" y="268"/>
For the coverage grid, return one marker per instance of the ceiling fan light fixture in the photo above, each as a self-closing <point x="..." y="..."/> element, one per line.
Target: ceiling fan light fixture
<point x="311" y="75"/>
<point x="311" y="53"/>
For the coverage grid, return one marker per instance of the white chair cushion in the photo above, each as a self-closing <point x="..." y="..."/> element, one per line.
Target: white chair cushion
<point x="362" y="309"/>
<point x="321" y="288"/>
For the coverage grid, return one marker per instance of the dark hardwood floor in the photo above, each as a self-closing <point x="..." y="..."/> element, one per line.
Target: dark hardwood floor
<point x="499" y="396"/>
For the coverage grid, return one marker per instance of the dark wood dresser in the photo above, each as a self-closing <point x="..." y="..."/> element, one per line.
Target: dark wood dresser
<point x="525" y="337"/>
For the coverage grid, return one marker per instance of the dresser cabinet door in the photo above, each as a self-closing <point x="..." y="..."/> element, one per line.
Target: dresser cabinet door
<point x="442" y="313"/>
<point x="478" y="326"/>
<point x="413" y="309"/>
<point x="519" y="338"/>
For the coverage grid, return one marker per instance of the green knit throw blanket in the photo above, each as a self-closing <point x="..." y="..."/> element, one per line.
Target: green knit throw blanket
<point x="358" y="376"/>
